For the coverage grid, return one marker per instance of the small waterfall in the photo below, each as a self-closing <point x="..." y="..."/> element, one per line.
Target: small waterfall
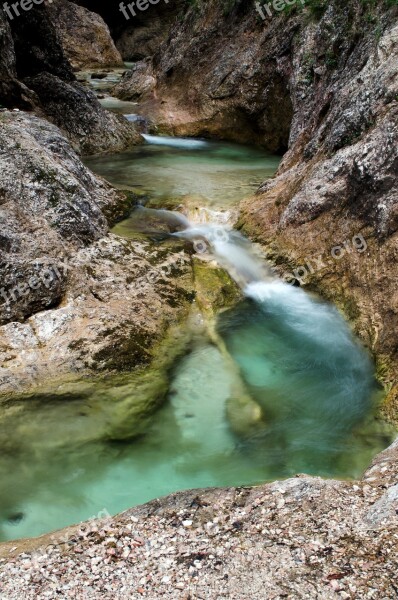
<point x="231" y="250"/>
<point x="308" y="320"/>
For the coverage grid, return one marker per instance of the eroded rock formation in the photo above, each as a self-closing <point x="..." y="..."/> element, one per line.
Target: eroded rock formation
<point x="36" y="75"/>
<point x="56" y="254"/>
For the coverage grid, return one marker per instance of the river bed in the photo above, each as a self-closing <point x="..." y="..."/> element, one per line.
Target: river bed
<point x="295" y="355"/>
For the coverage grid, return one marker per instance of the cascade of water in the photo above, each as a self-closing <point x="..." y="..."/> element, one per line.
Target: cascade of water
<point x="306" y="319"/>
<point x="188" y="143"/>
<point x="231" y="250"/>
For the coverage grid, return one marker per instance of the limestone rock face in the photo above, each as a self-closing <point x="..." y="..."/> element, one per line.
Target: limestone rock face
<point x="141" y="34"/>
<point x="50" y="203"/>
<point x="213" y="78"/>
<point x="330" y="217"/>
<point x="84" y="36"/>
<point x="136" y="83"/>
<point x="71" y="292"/>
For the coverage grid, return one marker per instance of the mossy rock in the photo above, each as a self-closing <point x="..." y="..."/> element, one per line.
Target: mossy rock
<point x="389" y="408"/>
<point x="215" y="289"/>
<point x="126" y="201"/>
<point x="74" y="410"/>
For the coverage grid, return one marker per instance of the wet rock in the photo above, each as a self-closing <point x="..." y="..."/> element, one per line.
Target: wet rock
<point x="76" y="110"/>
<point x="136" y="82"/>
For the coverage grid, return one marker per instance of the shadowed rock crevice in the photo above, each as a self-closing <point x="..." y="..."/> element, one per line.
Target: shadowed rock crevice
<point x="36" y="75"/>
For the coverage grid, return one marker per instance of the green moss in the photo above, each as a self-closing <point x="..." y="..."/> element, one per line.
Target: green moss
<point x="215" y="288"/>
<point x="121" y="209"/>
<point x="331" y="59"/>
<point x="384" y="369"/>
<point x="49" y="177"/>
<point x="351" y="309"/>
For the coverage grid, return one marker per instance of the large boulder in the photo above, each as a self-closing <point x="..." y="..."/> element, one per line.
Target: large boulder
<point x="71" y="292"/>
<point x="84" y="35"/>
<point x="36" y="75"/>
<point x="76" y="110"/>
<point x="136" y="83"/>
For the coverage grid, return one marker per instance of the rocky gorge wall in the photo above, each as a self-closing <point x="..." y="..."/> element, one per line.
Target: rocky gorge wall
<point x="55" y="215"/>
<point x="322" y="88"/>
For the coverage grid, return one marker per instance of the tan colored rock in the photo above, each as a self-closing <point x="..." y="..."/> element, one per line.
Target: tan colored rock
<point x="84" y="36"/>
<point x="71" y="292"/>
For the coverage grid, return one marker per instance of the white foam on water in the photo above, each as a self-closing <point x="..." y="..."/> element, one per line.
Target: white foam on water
<point x="310" y="317"/>
<point x="187" y="143"/>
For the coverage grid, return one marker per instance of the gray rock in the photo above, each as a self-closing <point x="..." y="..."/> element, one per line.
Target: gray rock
<point x="57" y="254"/>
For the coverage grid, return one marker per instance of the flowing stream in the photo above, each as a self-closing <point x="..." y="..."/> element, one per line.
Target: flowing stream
<point x="282" y="353"/>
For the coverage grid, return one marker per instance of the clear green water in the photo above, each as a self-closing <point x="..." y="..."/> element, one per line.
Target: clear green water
<point x="296" y="357"/>
<point x="215" y="174"/>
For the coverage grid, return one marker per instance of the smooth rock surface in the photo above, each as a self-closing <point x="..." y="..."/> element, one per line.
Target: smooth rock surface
<point x="84" y="36"/>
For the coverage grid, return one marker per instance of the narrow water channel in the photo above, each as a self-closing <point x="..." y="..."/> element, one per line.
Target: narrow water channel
<point x="295" y="357"/>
